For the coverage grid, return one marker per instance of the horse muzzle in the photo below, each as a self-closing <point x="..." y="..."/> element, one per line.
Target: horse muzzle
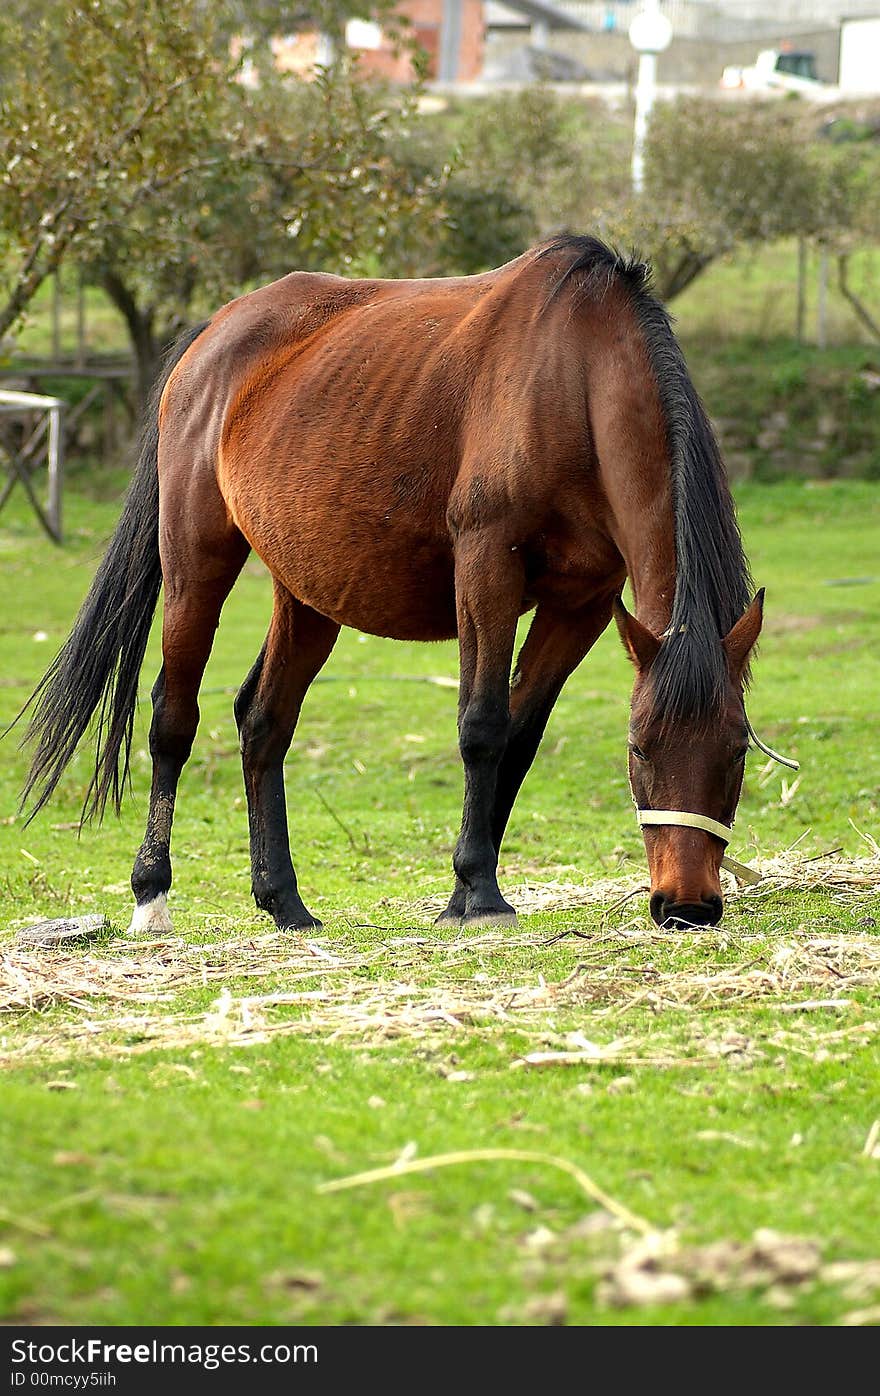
<point x="668" y="912"/>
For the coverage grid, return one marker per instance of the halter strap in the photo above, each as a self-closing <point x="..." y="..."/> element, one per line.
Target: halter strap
<point x="713" y="826"/>
<point x="700" y="821"/>
<point x="768" y="750"/>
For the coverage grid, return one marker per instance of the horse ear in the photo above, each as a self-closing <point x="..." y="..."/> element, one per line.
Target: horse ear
<point x="640" y="643"/>
<point x="740" y="641"/>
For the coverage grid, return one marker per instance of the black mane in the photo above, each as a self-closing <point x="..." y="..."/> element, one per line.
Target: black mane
<point x="712" y="582"/>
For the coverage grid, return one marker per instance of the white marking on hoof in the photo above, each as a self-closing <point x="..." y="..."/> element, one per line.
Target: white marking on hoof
<point x="497" y="919"/>
<point x="491" y="918"/>
<point x="151" y="918"/>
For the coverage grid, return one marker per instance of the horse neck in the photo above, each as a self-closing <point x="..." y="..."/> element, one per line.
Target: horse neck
<point x="631" y="443"/>
<point x="646" y="539"/>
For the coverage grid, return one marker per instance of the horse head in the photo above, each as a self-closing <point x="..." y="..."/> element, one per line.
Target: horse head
<point x="691" y="769"/>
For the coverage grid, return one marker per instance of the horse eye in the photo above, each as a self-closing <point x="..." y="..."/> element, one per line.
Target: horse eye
<point x="740" y="756"/>
<point x="637" y="752"/>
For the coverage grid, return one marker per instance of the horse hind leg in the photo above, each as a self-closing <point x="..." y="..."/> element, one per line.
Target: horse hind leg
<point x="191" y="612"/>
<point x="266" y="710"/>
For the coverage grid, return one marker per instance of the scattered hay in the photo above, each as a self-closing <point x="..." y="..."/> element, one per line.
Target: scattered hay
<point x="123" y="1002"/>
<point x="838" y="876"/>
<point x="532" y="898"/>
<point x="415" y="985"/>
<point x="152" y="971"/>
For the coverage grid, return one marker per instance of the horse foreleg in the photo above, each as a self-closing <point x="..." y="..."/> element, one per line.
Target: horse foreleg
<point x="489" y="586"/>
<point x="555" y="645"/>
<point x="266" y="711"/>
<point x="191" y="612"/>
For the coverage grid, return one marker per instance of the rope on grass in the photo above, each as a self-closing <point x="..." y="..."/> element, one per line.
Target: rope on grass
<point x="424" y="1165"/>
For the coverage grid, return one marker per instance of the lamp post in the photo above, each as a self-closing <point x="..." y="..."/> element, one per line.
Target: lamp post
<point x="450" y="41"/>
<point x="650" y="33"/>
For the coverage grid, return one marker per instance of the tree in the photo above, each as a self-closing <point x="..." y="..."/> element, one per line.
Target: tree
<point x="521" y="166"/>
<point x="848" y="206"/>
<point x="717" y="176"/>
<point x="106" y="104"/>
<point x="172" y="183"/>
<point x="307" y="177"/>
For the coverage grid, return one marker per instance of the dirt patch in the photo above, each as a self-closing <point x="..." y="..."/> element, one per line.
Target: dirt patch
<point x="656" y="1270"/>
<point x="789" y="623"/>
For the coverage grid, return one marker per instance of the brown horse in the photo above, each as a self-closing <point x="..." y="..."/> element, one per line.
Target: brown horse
<point x="426" y="459"/>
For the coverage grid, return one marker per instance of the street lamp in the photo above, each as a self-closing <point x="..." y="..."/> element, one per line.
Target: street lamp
<point x="650" y="33"/>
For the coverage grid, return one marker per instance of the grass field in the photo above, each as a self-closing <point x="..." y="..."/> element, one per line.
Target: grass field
<point x="171" y="1109"/>
<point x="752" y="294"/>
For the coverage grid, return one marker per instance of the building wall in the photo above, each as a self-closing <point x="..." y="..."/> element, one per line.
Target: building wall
<point x="860" y="55"/>
<point x="298" y="53"/>
<point x="426" y="18"/>
<point x="697" y="62"/>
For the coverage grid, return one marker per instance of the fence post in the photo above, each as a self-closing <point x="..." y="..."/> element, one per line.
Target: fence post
<point x="801" y="288"/>
<point x="56" y="469"/>
<point x="20" y="461"/>
<point x="822" y="301"/>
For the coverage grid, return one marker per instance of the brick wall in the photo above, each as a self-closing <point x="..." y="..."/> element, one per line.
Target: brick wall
<point x="426" y="18"/>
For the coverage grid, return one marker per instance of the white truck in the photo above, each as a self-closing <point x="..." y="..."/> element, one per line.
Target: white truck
<point x="778" y="70"/>
<point x="860" y="55"/>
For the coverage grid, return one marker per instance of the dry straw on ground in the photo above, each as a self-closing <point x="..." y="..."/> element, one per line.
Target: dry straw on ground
<point x="122" y="997"/>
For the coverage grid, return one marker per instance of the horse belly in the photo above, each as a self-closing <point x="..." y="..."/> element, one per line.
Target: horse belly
<point x="342" y="544"/>
<point x="397" y="586"/>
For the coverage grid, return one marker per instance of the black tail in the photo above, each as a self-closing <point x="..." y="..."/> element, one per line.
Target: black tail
<point x="98" y="667"/>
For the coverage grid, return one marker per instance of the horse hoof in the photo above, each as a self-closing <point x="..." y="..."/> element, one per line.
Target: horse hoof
<point x="300" y="925"/>
<point x="448" y="918"/>
<point x="151" y="918"/>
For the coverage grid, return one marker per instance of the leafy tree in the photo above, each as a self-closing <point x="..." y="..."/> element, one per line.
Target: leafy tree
<point x="131" y="147"/>
<point x="308" y="178"/>
<point x="105" y="105"/>
<point x="521" y="165"/>
<point x="717" y="176"/>
<point x="847" y="173"/>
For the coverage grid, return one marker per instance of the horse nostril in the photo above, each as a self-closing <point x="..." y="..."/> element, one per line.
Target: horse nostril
<point x="684" y="914"/>
<point x="659" y="903"/>
<point x="667" y="912"/>
<point x="715" y="906"/>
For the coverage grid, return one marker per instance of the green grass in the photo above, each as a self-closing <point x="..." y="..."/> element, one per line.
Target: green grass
<point x="105" y="331"/>
<point x="747" y="295"/>
<point x="172" y="1177"/>
<point x="783" y="408"/>
<point x="752" y="294"/>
